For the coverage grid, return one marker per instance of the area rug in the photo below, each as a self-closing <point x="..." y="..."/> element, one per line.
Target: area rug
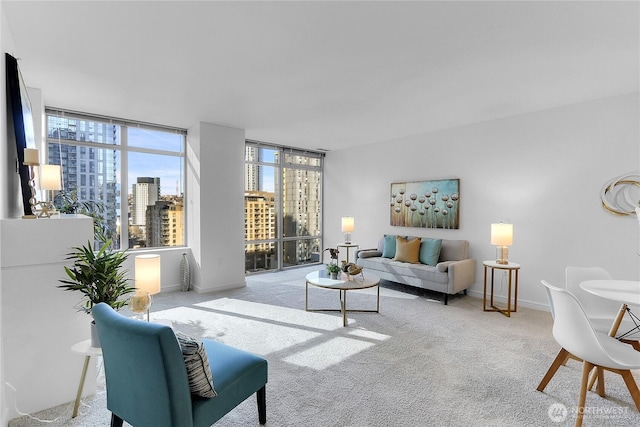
<point x="416" y="363"/>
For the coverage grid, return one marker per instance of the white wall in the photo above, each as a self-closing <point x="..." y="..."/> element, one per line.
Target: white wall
<point x="543" y="172"/>
<point x="40" y="321"/>
<point x="6" y="45"/>
<point x="215" y="197"/>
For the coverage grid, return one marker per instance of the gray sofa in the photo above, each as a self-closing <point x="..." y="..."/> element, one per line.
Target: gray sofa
<point x="454" y="271"/>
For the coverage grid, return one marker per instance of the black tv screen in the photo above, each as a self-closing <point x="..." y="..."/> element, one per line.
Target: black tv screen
<point x="19" y="114"/>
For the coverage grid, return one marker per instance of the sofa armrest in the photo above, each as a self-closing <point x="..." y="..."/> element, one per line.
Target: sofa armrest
<point x="462" y="274"/>
<point x="368" y="253"/>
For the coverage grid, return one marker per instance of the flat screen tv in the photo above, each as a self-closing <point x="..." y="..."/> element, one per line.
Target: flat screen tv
<point x="19" y="115"/>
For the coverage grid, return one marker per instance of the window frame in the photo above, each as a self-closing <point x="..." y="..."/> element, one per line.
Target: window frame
<point x="280" y="165"/>
<point x="124" y="148"/>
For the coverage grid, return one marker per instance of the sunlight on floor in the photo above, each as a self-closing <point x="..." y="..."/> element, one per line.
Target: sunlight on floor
<point x="329" y="353"/>
<point x="268" y="329"/>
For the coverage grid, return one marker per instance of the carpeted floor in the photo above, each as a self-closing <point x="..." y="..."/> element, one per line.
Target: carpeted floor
<point x="416" y="363"/>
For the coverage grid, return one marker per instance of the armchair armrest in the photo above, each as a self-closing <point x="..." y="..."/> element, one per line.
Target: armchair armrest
<point x="368" y="253"/>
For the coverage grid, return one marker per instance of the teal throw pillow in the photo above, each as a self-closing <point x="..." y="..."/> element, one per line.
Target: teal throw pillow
<point x="430" y="251"/>
<point x="389" y="250"/>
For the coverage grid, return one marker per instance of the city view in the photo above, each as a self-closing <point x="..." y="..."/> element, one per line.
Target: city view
<point x="136" y="177"/>
<point x="92" y="157"/>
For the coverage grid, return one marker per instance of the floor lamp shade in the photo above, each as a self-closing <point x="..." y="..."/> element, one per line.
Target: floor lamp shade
<point x="147" y="273"/>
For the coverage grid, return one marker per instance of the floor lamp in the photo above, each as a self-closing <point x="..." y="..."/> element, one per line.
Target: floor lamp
<point x="147" y="282"/>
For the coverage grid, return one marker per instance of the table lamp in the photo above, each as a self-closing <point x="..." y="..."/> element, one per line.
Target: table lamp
<point x="147" y="282"/>
<point x="50" y="180"/>
<point x="347" y="228"/>
<point x="32" y="159"/>
<point x="502" y="236"/>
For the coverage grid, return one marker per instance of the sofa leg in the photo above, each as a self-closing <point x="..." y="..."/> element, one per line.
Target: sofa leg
<point x="446" y="299"/>
<point x="116" y="421"/>
<point x="262" y="405"/>
<point x="465" y="292"/>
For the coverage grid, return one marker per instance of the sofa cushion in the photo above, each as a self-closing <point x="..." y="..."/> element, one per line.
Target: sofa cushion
<point x="454" y="250"/>
<point x="197" y="364"/>
<point x="407" y="250"/>
<point x="402" y="272"/>
<point x="430" y="251"/>
<point x="389" y="249"/>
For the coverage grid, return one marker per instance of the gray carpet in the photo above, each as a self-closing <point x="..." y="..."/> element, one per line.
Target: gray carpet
<point x="416" y="363"/>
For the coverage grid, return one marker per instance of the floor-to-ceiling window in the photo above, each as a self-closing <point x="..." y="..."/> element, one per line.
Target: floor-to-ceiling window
<point x="133" y="171"/>
<point x="283" y="207"/>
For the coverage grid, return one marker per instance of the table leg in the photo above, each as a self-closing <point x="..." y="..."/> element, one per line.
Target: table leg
<point x="508" y="313"/>
<point x="492" y="274"/>
<point x="612" y="333"/>
<point x="484" y="298"/>
<point x="515" y="300"/>
<point x="80" y="386"/>
<point x="306" y="298"/>
<point x="344" y="309"/>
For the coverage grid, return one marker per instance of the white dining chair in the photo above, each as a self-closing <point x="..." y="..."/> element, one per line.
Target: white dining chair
<point x="573" y="331"/>
<point x="600" y="311"/>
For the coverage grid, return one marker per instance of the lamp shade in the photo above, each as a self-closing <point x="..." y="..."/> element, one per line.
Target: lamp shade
<point x="50" y="177"/>
<point x="31" y="157"/>
<point x="147" y="273"/>
<point x="502" y="234"/>
<point x="348" y="224"/>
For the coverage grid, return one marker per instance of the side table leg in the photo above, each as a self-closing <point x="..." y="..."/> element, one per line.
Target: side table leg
<point x="484" y="298"/>
<point x="80" y="386"/>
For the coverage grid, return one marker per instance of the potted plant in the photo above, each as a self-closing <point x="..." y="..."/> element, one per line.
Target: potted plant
<point x="99" y="276"/>
<point x="333" y="270"/>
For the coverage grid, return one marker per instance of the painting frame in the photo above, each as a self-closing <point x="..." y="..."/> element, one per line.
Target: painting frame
<point x="425" y="204"/>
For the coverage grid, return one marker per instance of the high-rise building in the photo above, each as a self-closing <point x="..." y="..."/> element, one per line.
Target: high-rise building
<point x="146" y="192"/>
<point x="89" y="171"/>
<point x="165" y="223"/>
<point x="251" y="171"/>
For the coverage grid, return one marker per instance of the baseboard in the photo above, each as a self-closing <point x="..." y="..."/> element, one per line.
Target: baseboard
<point x="521" y="302"/>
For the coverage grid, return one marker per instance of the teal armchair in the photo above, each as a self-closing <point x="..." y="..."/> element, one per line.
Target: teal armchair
<point x="147" y="382"/>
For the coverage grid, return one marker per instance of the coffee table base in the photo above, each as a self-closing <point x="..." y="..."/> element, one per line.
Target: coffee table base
<point x="343" y="305"/>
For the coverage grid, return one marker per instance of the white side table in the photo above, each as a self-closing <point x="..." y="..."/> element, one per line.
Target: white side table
<point x="348" y="246"/>
<point x="84" y="348"/>
<point x="511" y="268"/>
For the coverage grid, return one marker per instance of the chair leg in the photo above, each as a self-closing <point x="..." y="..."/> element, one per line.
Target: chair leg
<point x="262" y="405"/>
<point x="116" y="421"/>
<point x="632" y="386"/>
<point x="557" y="362"/>
<point x="634" y="344"/>
<point x="600" y="374"/>
<point x="586" y="368"/>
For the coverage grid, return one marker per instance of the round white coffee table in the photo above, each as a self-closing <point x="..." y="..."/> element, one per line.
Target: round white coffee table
<point x="360" y="281"/>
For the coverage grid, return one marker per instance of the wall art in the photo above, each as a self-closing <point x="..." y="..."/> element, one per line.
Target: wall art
<point x="426" y="204"/>
<point x="621" y="195"/>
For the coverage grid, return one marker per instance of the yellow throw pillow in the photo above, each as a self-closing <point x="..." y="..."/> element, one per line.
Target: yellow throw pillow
<point x="407" y="250"/>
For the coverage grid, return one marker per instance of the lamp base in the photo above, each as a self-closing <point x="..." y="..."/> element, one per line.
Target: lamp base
<point x="347" y="238"/>
<point x="504" y="253"/>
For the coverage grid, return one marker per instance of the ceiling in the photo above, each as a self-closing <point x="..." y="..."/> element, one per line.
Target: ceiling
<point x="324" y="75"/>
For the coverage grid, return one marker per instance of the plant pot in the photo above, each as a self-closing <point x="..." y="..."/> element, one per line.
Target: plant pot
<point x="95" y="339"/>
<point x="334" y="276"/>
